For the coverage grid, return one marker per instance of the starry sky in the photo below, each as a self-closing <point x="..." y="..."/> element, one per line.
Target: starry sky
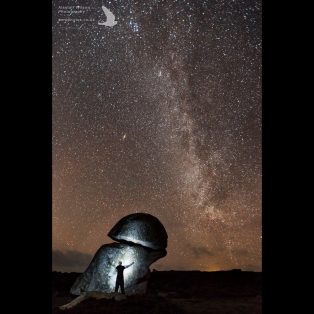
<point x="160" y="113"/>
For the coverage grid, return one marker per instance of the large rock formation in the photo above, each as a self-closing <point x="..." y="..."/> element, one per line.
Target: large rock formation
<point x="143" y="241"/>
<point x="143" y="229"/>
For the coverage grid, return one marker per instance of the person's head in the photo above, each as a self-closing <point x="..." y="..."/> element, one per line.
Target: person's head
<point x="120" y="263"/>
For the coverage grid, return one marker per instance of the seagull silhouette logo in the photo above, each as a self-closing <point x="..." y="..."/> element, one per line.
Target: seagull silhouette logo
<point x="110" y="18"/>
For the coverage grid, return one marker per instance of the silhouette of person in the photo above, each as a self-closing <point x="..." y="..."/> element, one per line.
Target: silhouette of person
<point x="120" y="279"/>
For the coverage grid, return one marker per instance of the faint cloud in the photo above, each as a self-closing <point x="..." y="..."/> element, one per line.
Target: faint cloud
<point x="201" y="251"/>
<point x="70" y="261"/>
<point x="251" y="267"/>
<point x="240" y="252"/>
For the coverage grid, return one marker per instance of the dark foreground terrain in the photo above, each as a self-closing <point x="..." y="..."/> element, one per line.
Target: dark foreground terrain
<point x="232" y="292"/>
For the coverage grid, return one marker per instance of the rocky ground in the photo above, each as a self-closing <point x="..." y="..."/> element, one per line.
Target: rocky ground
<point x="232" y="292"/>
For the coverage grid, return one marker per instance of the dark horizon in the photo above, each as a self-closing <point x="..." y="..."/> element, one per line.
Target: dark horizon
<point x="176" y="270"/>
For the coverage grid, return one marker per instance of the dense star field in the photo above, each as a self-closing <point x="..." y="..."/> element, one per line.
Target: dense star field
<point x="160" y="113"/>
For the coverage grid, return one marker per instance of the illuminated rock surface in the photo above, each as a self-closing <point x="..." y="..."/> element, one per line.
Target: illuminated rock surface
<point x="140" y="228"/>
<point x="146" y="242"/>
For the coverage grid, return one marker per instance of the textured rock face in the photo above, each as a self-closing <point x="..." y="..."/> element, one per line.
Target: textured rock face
<point x="140" y="228"/>
<point x="143" y="241"/>
<point x="101" y="274"/>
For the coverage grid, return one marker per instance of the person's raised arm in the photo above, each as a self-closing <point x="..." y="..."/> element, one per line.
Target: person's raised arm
<point x="129" y="265"/>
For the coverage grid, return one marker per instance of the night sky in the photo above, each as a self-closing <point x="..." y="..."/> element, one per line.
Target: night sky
<point x="160" y="114"/>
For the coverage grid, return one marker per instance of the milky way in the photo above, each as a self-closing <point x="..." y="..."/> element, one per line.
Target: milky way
<point x="160" y="113"/>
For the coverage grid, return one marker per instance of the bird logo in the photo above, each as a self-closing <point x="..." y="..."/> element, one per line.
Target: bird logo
<point x="110" y="18"/>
